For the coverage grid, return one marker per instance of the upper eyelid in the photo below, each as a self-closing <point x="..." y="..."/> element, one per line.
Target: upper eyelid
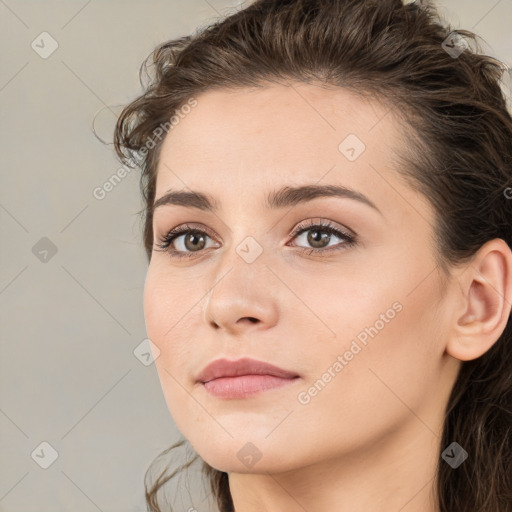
<point x="299" y="228"/>
<point x="303" y="224"/>
<point x="323" y="223"/>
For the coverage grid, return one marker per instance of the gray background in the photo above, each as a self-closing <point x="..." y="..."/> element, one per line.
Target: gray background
<point x="70" y="324"/>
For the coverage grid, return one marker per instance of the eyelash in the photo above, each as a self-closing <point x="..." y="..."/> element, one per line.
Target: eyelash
<point x="164" y="243"/>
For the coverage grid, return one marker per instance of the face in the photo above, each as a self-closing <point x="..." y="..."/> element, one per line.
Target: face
<point x="340" y="290"/>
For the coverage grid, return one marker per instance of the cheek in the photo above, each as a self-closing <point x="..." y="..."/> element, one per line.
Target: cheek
<point x="172" y="316"/>
<point x="156" y="313"/>
<point x="398" y="367"/>
<point x="389" y="340"/>
<point x="168" y="315"/>
<point x="166" y="307"/>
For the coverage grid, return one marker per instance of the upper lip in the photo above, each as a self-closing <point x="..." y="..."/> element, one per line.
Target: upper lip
<point x="245" y="366"/>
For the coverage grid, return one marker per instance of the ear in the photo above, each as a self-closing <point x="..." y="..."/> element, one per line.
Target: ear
<point x="486" y="300"/>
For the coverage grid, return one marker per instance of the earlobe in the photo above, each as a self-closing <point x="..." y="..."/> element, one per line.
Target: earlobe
<point x="486" y="286"/>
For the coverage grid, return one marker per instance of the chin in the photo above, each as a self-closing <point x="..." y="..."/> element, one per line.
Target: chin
<point x="230" y="463"/>
<point x="248" y="454"/>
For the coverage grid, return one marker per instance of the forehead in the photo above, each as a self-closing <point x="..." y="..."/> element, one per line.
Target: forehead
<point x="297" y="132"/>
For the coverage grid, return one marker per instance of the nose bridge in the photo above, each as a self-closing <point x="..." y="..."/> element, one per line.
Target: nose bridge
<point x="248" y="237"/>
<point x="241" y="268"/>
<point x="240" y="288"/>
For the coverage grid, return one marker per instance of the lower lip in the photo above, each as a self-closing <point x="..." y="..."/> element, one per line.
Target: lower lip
<point x="244" y="385"/>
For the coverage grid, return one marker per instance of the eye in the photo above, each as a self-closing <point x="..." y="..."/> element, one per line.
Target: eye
<point x="184" y="241"/>
<point x="319" y="235"/>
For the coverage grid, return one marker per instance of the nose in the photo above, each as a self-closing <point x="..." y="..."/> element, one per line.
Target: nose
<point x="239" y="300"/>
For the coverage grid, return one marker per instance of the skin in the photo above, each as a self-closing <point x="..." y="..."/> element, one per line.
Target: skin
<point x="369" y="439"/>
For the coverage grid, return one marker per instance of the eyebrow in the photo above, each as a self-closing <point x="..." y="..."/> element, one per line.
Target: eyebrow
<point x="282" y="198"/>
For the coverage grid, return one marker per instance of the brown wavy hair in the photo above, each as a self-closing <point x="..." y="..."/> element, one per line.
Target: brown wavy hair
<point x="459" y="155"/>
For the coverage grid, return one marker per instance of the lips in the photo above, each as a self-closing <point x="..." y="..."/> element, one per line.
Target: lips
<point x="225" y="368"/>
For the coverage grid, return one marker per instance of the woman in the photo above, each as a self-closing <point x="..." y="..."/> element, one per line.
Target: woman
<point x="327" y="223"/>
